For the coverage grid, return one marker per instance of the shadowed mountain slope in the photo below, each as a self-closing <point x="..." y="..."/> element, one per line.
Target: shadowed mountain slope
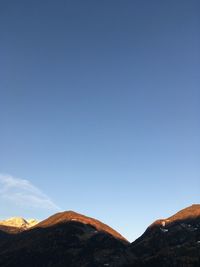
<point x="65" y="239"/>
<point x="174" y="241"/>
<point x="74" y="240"/>
<point x="72" y="216"/>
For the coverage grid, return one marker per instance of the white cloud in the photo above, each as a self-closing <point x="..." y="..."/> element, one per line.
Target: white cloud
<point x="23" y="193"/>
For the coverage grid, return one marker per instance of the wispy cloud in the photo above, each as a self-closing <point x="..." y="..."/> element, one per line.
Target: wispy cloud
<point x="23" y="193"/>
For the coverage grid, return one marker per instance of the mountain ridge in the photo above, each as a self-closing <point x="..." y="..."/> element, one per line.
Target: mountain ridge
<point x="17" y="223"/>
<point x="74" y="240"/>
<point x="67" y="216"/>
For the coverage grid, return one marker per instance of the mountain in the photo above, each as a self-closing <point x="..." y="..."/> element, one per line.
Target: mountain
<point x="32" y="222"/>
<point x="64" y="239"/>
<point x="170" y="242"/>
<point x="74" y="240"/>
<point x="71" y="216"/>
<point x="17" y="224"/>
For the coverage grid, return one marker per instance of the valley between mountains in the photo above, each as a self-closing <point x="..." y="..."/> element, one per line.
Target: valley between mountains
<point x="69" y="239"/>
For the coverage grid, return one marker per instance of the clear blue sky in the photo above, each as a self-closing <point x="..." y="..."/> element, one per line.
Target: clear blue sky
<point x="100" y="108"/>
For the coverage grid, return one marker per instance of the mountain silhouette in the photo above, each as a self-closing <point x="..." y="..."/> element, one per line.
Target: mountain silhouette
<point x="174" y="241"/>
<point x="71" y="216"/>
<point x="64" y="239"/>
<point x="74" y="240"/>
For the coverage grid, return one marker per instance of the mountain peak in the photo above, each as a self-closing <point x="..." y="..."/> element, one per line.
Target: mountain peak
<point x="187" y="214"/>
<point x="190" y="212"/>
<point x="18" y="222"/>
<point x="32" y="222"/>
<point x="72" y="216"/>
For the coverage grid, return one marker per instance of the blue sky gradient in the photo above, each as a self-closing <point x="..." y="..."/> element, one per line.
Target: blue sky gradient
<point x="99" y="107"/>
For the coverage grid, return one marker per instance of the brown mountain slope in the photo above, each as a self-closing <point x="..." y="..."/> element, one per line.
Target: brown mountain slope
<point x="67" y="216"/>
<point x="187" y="214"/>
<point x="10" y="229"/>
<point x="65" y="239"/>
<point x="73" y="240"/>
<point x="171" y="242"/>
<point x="191" y="212"/>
